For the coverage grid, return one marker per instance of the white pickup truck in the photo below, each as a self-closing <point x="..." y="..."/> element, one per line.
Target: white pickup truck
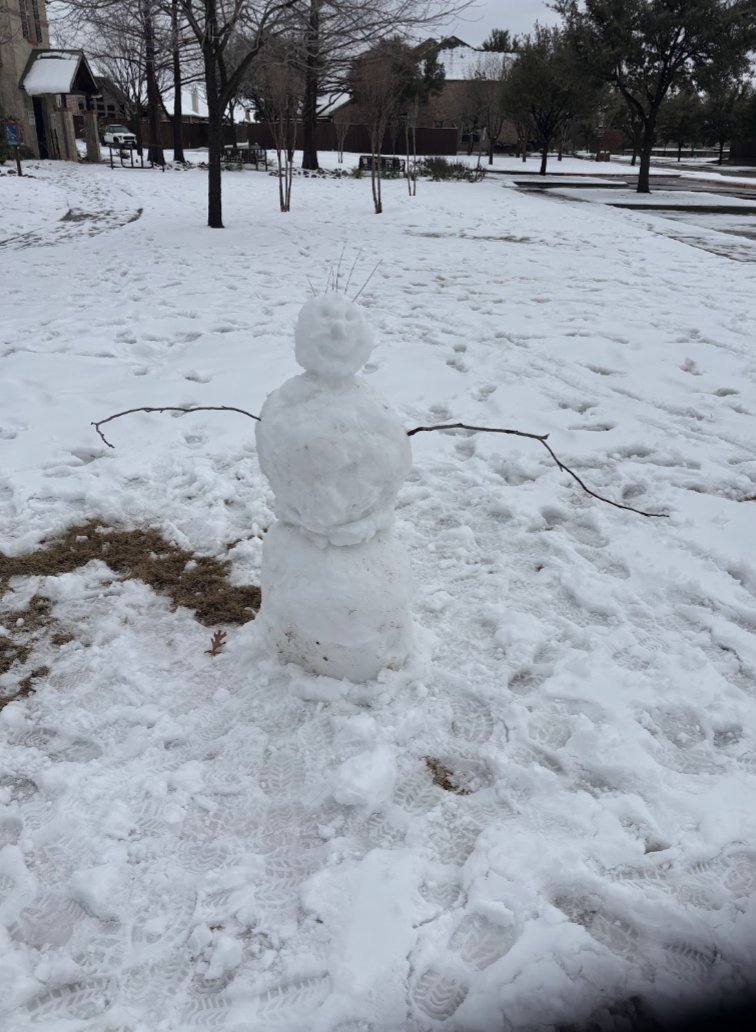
<point x="118" y="136"/>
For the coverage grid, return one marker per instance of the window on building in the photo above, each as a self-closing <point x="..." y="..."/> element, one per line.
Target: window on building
<point x="438" y="125"/>
<point x="37" y="20"/>
<point x="24" y="19"/>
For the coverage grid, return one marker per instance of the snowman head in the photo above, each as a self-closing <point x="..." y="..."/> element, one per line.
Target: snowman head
<point x="333" y="339"/>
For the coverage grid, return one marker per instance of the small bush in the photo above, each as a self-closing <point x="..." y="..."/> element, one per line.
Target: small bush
<point x="26" y="153"/>
<point x="356" y="172"/>
<point x="439" y="169"/>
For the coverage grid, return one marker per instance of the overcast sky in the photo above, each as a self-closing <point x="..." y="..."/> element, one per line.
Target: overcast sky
<point x="516" y="15"/>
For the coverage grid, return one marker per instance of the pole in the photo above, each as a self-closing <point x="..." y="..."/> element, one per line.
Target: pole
<point x="17" y="149"/>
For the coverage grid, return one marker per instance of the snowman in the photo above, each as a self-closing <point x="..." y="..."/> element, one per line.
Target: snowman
<point x="335" y="581"/>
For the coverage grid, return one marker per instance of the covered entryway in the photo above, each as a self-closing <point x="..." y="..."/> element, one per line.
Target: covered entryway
<point x="52" y="78"/>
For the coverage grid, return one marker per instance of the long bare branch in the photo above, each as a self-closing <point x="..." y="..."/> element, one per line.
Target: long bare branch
<point x="542" y="439"/>
<point x="169" y="408"/>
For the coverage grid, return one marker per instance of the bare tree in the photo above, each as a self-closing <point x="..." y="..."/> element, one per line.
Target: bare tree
<point x="130" y="43"/>
<point x="178" y="141"/>
<point x="486" y="95"/>
<point x="424" y="80"/>
<point x="337" y="31"/>
<point x="378" y="80"/>
<point x="279" y="87"/>
<point x="342" y="129"/>
<point x="215" y="24"/>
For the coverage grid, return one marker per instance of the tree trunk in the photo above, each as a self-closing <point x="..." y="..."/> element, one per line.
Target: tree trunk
<point x="214" y="144"/>
<point x="414" y="159"/>
<point x="524" y="151"/>
<point x="635" y="156"/>
<point x="155" y="154"/>
<point x="137" y="120"/>
<point x="644" y="172"/>
<point x="376" y="139"/>
<point x="544" y="159"/>
<point x="178" y="142"/>
<point x="491" y="142"/>
<point x="561" y="148"/>
<point x="679" y="150"/>
<point x="310" y="100"/>
<point x="375" y="182"/>
<point x="721" y="153"/>
<point x="407" y="152"/>
<point x="646" y="149"/>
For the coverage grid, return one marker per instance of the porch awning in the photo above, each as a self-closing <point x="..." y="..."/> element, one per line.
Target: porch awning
<point x="58" y="71"/>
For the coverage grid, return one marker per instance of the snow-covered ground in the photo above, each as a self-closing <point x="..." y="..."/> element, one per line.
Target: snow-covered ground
<point x="192" y="842"/>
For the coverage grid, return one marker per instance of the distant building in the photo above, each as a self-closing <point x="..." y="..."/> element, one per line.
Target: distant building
<point x="450" y="109"/>
<point x="41" y="88"/>
<point x="111" y="105"/>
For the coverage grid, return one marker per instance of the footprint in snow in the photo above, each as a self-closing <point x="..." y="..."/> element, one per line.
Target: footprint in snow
<point x="474" y="946"/>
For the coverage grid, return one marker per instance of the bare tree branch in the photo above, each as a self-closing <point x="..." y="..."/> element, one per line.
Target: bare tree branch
<point x="169" y="408"/>
<point x="542" y="438"/>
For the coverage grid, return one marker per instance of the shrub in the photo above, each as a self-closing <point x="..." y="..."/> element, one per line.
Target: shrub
<point x="439" y="169"/>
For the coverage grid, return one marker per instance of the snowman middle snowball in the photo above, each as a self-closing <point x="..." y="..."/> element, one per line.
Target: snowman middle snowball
<point x="335" y="582"/>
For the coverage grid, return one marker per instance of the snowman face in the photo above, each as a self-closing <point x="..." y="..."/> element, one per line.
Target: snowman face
<point x="333" y="339"/>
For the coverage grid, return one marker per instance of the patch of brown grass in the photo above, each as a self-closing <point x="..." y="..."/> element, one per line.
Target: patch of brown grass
<point x="198" y="582"/>
<point x="12" y="652"/>
<point x="444" y="777"/>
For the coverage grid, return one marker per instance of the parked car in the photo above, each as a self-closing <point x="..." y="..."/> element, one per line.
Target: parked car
<point x="118" y="136"/>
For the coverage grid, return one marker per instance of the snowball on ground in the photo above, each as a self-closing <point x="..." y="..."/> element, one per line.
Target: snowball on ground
<point x="342" y="612"/>
<point x="335" y="454"/>
<point x="367" y="779"/>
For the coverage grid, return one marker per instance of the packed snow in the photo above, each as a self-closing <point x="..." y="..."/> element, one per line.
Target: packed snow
<point x="548" y="814"/>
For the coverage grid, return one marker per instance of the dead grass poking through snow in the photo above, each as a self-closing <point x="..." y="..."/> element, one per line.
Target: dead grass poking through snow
<point x="444" y="777"/>
<point x="199" y="583"/>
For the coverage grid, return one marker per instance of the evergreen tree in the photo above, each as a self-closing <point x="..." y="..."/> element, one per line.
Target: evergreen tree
<point x="680" y="119"/>
<point x="547" y="87"/>
<point x="723" y="112"/>
<point x="646" y="48"/>
<point x="500" y="42"/>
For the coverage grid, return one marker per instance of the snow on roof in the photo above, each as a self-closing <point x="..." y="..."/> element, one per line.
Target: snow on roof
<point x="52" y="72"/>
<point x="192" y="101"/>
<point x="461" y="62"/>
<point x="329" y="104"/>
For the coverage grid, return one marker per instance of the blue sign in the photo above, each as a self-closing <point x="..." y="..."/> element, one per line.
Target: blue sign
<point x="13" y="134"/>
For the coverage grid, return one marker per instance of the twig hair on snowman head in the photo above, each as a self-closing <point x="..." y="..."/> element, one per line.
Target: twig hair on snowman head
<point x="333" y="281"/>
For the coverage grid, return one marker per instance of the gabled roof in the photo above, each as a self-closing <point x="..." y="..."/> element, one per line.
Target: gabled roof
<point x="58" y="71"/>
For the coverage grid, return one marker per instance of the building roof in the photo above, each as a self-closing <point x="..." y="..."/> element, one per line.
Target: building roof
<point x="57" y="71"/>
<point x="459" y="60"/>
<point x="327" y="105"/>
<point x="193" y="101"/>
